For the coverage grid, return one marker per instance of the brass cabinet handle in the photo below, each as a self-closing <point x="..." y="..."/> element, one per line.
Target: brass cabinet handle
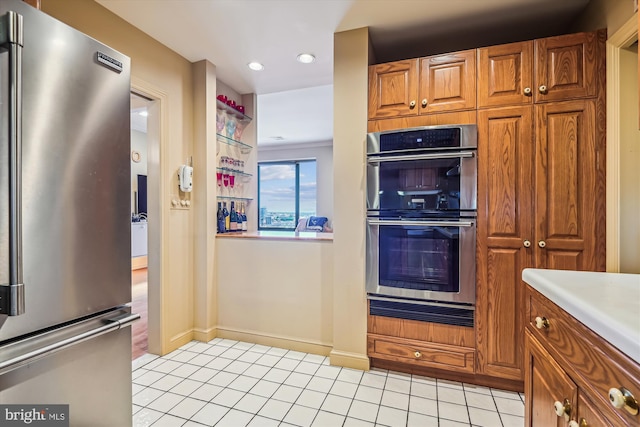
<point x="412" y="104"/>
<point x="582" y="423"/>
<point x="424" y="102"/>
<point x="623" y="398"/>
<point x="542" y="89"/>
<point x="526" y="244"/>
<point x="562" y="409"/>
<point x="417" y="354"/>
<point x="541" y="322"/>
<point x="542" y="243"/>
<point x="527" y="91"/>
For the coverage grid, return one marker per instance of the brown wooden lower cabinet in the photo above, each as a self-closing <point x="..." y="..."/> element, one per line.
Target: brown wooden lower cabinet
<point x="570" y="370"/>
<point x="429" y="349"/>
<point x="440" y="356"/>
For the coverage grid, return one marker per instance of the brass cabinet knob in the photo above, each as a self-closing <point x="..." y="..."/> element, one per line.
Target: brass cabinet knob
<point x="582" y="423"/>
<point x="623" y="398"/>
<point x="541" y="322"/>
<point x="562" y="409"/>
<point x="417" y="354"/>
<point x="527" y="91"/>
<point x="526" y="244"/>
<point x="424" y="102"/>
<point x="412" y="104"/>
<point x="542" y="89"/>
<point x="542" y="243"/>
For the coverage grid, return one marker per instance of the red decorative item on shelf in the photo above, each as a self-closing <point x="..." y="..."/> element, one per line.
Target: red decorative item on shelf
<point x="240" y="108"/>
<point x="222" y="98"/>
<point x="231" y="103"/>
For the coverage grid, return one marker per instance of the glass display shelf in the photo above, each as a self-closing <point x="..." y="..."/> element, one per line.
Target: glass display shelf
<point x="234" y="172"/>
<point x="232" y="111"/>
<point x="245" y="148"/>
<point x="246" y="199"/>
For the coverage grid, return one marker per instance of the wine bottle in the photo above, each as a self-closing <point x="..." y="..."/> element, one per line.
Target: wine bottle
<point x="239" y="219"/>
<point x="244" y="219"/>
<point x="220" y="218"/>
<point x="233" y="218"/>
<point x="225" y="213"/>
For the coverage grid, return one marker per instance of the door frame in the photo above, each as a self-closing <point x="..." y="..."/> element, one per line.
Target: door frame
<point x="157" y="131"/>
<point x="621" y="39"/>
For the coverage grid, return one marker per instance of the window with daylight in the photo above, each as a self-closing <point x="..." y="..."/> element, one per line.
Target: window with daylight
<point x="286" y="193"/>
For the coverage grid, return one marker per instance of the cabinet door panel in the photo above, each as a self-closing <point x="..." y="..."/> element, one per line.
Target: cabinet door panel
<point x="566" y="201"/>
<point x="587" y="411"/>
<point x="567" y="66"/>
<point x="545" y="383"/>
<point x="503" y="74"/>
<point x="448" y="82"/>
<point x="505" y="192"/>
<point x="392" y="87"/>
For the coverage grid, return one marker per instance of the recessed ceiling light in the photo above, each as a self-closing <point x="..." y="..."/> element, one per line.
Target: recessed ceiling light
<point x="306" y="58"/>
<point x="255" y="66"/>
<point x="144" y="113"/>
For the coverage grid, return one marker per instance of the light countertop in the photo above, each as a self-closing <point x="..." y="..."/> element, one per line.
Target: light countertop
<point x="607" y="303"/>
<point x="278" y="235"/>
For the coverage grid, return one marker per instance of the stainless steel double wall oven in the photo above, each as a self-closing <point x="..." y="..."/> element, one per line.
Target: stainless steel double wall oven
<point x="421" y="223"/>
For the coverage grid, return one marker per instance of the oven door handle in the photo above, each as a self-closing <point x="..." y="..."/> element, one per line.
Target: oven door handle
<point x="421" y="223"/>
<point x="431" y="156"/>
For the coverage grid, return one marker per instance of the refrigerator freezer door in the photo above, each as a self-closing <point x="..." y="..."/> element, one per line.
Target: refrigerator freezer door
<point x="92" y="376"/>
<point x="76" y="240"/>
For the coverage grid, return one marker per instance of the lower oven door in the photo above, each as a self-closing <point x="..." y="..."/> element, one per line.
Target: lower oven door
<point x="422" y="259"/>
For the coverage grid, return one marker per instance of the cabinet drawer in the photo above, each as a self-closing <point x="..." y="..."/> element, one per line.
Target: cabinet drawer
<point x="592" y="362"/>
<point x="437" y="356"/>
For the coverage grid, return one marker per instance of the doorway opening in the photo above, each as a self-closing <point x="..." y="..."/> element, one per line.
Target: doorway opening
<point x="139" y="223"/>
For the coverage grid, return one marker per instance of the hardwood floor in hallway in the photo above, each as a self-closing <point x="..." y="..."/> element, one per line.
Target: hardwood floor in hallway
<point x="139" y="305"/>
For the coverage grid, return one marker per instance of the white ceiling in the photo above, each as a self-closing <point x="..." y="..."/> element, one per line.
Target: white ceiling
<point x="231" y="33"/>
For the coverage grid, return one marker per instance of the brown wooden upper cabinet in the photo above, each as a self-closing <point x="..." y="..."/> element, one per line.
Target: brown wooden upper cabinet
<point x="448" y="82"/>
<point x="434" y="84"/>
<point x="505" y="75"/>
<point x="393" y="88"/>
<point x="550" y="69"/>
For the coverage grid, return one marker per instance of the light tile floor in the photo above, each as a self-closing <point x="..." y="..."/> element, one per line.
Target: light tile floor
<point x="230" y="383"/>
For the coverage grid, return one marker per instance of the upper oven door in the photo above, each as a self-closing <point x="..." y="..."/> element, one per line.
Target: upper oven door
<point x="426" y="182"/>
<point x="422" y="259"/>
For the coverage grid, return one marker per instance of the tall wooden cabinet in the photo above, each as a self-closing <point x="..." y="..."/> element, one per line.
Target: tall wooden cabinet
<point x="506" y="167"/>
<point x="540" y="110"/>
<point x="540" y="181"/>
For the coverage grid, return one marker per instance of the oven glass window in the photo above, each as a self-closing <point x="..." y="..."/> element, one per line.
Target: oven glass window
<point x="419" y="258"/>
<point x="420" y="184"/>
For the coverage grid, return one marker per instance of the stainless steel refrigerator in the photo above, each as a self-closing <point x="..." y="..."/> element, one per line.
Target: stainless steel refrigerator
<point x="65" y="244"/>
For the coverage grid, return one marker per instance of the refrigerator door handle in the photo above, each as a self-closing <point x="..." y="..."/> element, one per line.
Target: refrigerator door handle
<point x="109" y="326"/>
<point x="11" y="37"/>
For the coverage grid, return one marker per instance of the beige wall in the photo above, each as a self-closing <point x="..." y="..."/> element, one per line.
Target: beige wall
<point x="276" y="292"/>
<point x="161" y="68"/>
<point x="629" y="169"/>
<point x="351" y="61"/>
<point x="204" y="206"/>
<point x="623" y="228"/>
<point x="609" y="14"/>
